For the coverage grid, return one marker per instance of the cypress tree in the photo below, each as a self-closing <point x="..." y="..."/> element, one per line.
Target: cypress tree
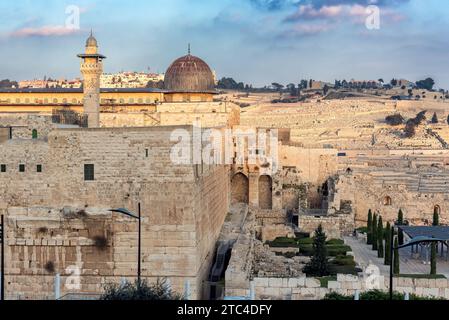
<point x="380" y="238"/>
<point x="387" y="259"/>
<point x="396" y="268"/>
<point x="400" y="237"/>
<point x="374" y="232"/>
<point x="433" y="259"/>
<point x="400" y="223"/>
<point x="435" y="118"/>
<point x="400" y="217"/>
<point x="319" y="264"/>
<point x="369" y="228"/>
<point x="436" y="218"/>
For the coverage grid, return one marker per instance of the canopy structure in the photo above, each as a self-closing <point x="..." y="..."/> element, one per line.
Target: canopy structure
<point x="418" y="235"/>
<point x="439" y="232"/>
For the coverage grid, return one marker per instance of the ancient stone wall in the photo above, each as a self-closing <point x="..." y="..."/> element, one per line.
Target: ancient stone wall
<point x="183" y="206"/>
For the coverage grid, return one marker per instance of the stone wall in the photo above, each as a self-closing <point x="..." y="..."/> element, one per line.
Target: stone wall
<point x="335" y="226"/>
<point x="183" y="207"/>
<point x="303" y="288"/>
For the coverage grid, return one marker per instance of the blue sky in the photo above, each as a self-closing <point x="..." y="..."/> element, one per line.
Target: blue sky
<point x="255" y="41"/>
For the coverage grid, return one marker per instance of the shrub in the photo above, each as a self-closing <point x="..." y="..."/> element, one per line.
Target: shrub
<point x="100" y="242"/>
<point x="380" y="295"/>
<point x="362" y="230"/>
<point x="43" y="230"/>
<point x="394" y="120"/>
<point x="49" y="267"/>
<point x="338" y="250"/>
<point x="324" y="281"/>
<point x="344" y="261"/>
<point x="132" y="291"/>
<point x="338" y="242"/>
<point x="410" y="129"/>
<point x="336" y="296"/>
<point x="302" y="235"/>
<point x="305" y="241"/>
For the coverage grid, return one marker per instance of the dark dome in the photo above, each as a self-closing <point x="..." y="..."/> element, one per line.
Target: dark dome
<point x="189" y="74"/>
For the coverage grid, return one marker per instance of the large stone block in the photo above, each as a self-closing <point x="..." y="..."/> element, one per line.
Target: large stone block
<point x="312" y="283"/>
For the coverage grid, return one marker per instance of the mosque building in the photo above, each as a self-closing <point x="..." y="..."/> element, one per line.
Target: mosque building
<point x="188" y="79"/>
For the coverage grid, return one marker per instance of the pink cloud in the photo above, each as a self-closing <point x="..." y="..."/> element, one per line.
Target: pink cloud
<point x="307" y="29"/>
<point x="45" y="31"/>
<point x="309" y="12"/>
<point x="357" y="12"/>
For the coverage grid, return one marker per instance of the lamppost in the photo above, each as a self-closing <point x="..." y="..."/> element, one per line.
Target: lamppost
<point x="414" y="241"/>
<point x="128" y="213"/>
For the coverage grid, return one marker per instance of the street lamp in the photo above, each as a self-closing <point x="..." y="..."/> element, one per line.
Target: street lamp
<point x="128" y="213"/>
<point x="414" y="241"/>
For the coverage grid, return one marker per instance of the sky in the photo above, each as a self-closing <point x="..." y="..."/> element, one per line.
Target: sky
<point x="254" y="41"/>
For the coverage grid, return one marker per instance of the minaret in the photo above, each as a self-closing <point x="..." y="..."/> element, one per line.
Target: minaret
<point x="92" y="69"/>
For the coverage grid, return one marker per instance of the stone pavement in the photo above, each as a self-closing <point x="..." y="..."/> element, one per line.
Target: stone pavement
<point x="364" y="256"/>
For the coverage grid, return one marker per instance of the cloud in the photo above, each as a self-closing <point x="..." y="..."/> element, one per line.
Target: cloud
<point x="273" y="5"/>
<point x="45" y="31"/>
<point x="355" y="12"/>
<point x="306" y="29"/>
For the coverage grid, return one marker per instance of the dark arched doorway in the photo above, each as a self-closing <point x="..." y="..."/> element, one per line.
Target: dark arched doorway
<point x="265" y="192"/>
<point x="239" y="189"/>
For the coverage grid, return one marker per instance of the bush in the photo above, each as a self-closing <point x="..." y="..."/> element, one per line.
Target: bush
<point x="335" y="242"/>
<point x="362" y="230"/>
<point x="283" y="242"/>
<point x="305" y="241"/>
<point x="344" y="261"/>
<point x="302" y="235"/>
<point x="338" y="250"/>
<point x="324" y="281"/>
<point x="132" y="291"/>
<point x="332" y="250"/>
<point x="336" y="269"/>
<point x="336" y="296"/>
<point x="394" y="120"/>
<point x="378" y="295"/>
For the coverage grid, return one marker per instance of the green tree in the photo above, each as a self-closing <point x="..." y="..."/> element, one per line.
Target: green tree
<point x="387" y="260"/>
<point x="400" y="217"/>
<point x="133" y="291"/>
<point x="380" y="238"/>
<point x="436" y="217"/>
<point x="426" y="84"/>
<point x="400" y="223"/>
<point x="319" y="264"/>
<point x="433" y="259"/>
<point x="396" y="268"/>
<point x="369" y="228"/>
<point x="374" y="232"/>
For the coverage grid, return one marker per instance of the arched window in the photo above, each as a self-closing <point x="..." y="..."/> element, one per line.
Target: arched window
<point x="34" y="134"/>
<point x="387" y="201"/>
